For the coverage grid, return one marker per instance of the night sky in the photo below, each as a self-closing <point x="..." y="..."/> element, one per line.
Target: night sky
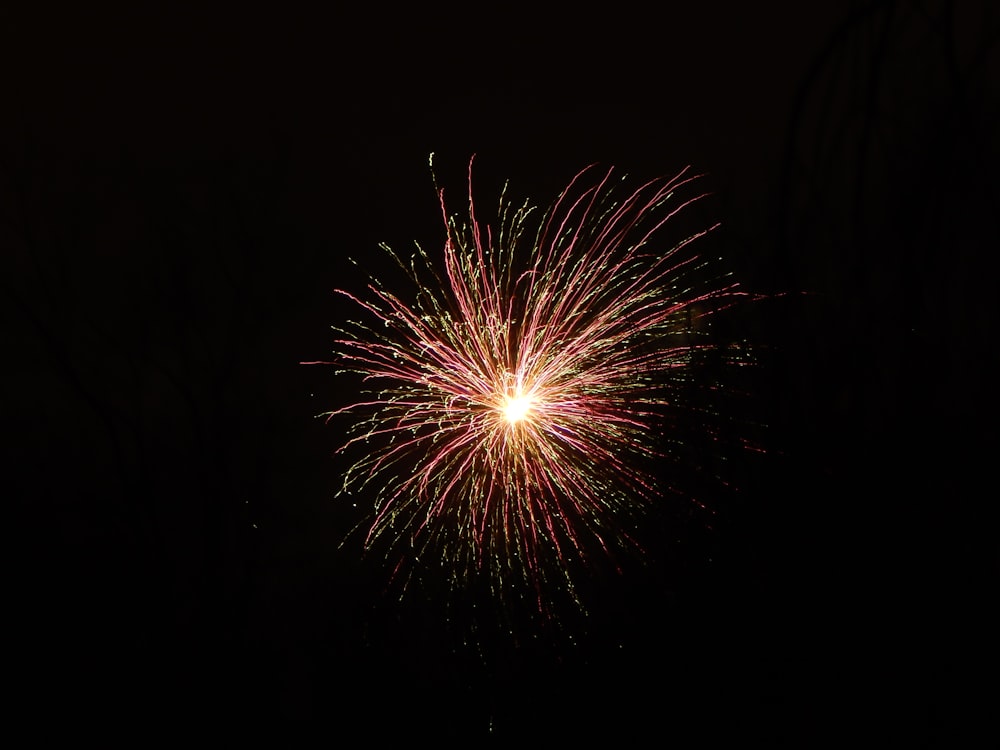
<point x="182" y="191"/>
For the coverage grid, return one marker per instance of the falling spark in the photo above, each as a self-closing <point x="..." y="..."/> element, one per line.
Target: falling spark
<point x="513" y="409"/>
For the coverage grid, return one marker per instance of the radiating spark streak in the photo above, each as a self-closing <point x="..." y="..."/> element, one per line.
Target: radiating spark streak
<point x="514" y="402"/>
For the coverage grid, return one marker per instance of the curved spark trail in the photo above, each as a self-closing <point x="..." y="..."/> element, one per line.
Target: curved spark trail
<point x="513" y="406"/>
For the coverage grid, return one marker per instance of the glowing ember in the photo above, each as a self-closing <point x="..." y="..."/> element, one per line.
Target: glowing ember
<point x="516" y="408"/>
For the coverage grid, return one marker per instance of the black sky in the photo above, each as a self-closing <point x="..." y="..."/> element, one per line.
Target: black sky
<point x="180" y="191"/>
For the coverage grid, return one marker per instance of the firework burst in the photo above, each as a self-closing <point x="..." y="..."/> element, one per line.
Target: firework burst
<point x="513" y="407"/>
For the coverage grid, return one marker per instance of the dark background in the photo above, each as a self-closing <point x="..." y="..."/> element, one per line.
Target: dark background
<point x="180" y="193"/>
